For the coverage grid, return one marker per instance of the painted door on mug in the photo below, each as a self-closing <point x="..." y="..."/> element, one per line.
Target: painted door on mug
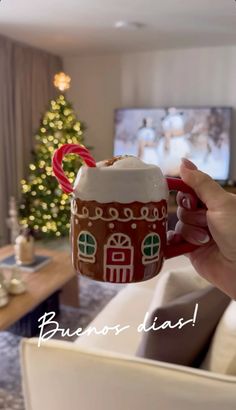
<point x="118" y="259"/>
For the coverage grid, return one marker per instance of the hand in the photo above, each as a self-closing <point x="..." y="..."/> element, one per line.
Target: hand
<point x="213" y="228"/>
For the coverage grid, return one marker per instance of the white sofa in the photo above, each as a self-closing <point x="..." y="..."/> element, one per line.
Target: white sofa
<point x="102" y="372"/>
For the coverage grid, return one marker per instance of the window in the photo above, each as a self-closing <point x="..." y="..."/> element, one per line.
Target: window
<point x="150" y="248"/>
<point x="87" y="246"/>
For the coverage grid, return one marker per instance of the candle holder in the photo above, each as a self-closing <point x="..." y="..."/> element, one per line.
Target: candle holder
<point x="16" y="285"/>
<point x="4" y="299"/>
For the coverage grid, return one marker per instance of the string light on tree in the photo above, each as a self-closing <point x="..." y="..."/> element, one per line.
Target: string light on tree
<point x="44" y="207"/>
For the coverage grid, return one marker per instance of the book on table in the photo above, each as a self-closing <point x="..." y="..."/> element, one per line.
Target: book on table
<point x="39" y="262"/>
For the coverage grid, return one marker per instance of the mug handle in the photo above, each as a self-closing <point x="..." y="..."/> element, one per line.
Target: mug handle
<point x="172" y="250"/>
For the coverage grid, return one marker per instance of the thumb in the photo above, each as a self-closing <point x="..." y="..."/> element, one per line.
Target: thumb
<point x="207" y="190"/>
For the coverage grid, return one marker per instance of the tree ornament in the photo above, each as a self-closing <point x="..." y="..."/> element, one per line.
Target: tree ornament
<point x="62" y="81"/>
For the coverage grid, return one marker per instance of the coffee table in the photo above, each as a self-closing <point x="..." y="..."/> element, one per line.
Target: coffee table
<point x="54" y="282"/>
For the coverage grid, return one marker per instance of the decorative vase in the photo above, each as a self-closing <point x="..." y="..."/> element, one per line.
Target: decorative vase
<point x="24" y="248"/>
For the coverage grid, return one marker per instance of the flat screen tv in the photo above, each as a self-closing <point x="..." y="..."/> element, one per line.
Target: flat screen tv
<point x="163" y="136"/>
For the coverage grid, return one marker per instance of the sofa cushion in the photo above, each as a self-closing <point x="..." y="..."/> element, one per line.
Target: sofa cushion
<point x="221" y="356"/>
<point x="175" y="297"/>
<point x="62" y="375"/>
<point x="179" y="263"/>
<point x="128" y="307"/>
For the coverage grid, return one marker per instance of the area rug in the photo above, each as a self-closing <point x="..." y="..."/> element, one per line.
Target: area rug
<point x="93" y="297"/>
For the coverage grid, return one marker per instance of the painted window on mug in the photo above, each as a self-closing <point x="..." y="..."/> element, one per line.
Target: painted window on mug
<point x="87" y="247"/>
<point x="151" y="248"/>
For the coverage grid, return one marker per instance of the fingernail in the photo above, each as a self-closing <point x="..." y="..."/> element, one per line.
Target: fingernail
<point x="188" y="164"/>
<point x="186" y="203"/>
<point x="201" y="237"/>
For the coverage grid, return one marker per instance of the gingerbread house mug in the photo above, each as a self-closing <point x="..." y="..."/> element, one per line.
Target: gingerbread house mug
<point x="119" y="217"/>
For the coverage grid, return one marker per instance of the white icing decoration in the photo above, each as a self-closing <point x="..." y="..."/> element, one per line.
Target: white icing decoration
<point x="120" y="248"/>
<point x="134" y="226"/>
<point x="82" y="255"/>
<point x="154" y="226"/>
<point x="155" y="256"/>
<point x="111" y="225"/>
<point x="90" y="223"/>
<point x="114" y="214"/>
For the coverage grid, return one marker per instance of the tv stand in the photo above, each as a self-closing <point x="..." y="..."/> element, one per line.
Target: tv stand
<point x="230" y="188"/>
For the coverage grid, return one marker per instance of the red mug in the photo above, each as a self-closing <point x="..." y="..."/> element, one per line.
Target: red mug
<point x="122" y="242"/>
<point x="119" y="223"/>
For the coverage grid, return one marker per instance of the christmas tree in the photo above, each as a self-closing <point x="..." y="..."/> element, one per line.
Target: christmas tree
<point x="45" y="208"/>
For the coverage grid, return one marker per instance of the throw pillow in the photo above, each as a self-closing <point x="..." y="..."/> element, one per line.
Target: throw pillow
<point x="221" y="357"/>
<point x="175" y="283"/>
<point x="188" y="345"/>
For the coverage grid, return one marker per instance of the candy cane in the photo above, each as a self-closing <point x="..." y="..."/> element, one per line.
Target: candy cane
<point x="57" y="163"/>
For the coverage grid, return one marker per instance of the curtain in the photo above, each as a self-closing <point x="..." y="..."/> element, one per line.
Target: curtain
<point x="26" y="86"/>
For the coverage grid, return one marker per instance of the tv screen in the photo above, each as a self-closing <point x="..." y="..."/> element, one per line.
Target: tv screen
<point x="163" y="136"/>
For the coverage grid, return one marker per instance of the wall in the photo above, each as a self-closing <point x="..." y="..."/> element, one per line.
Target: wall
<point x="204" y="76"/>
<point x="95" y="92"/>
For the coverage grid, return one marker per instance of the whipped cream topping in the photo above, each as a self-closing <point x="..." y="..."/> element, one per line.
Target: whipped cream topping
<point x="123" y="179"/>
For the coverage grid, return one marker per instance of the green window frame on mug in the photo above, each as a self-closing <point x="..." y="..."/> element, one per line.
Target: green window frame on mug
<point x="87" y="246"/>
<point x="151" y="248"/>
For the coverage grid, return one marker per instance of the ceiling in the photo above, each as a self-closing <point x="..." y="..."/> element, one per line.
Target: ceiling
<point x="78" y="27"/>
